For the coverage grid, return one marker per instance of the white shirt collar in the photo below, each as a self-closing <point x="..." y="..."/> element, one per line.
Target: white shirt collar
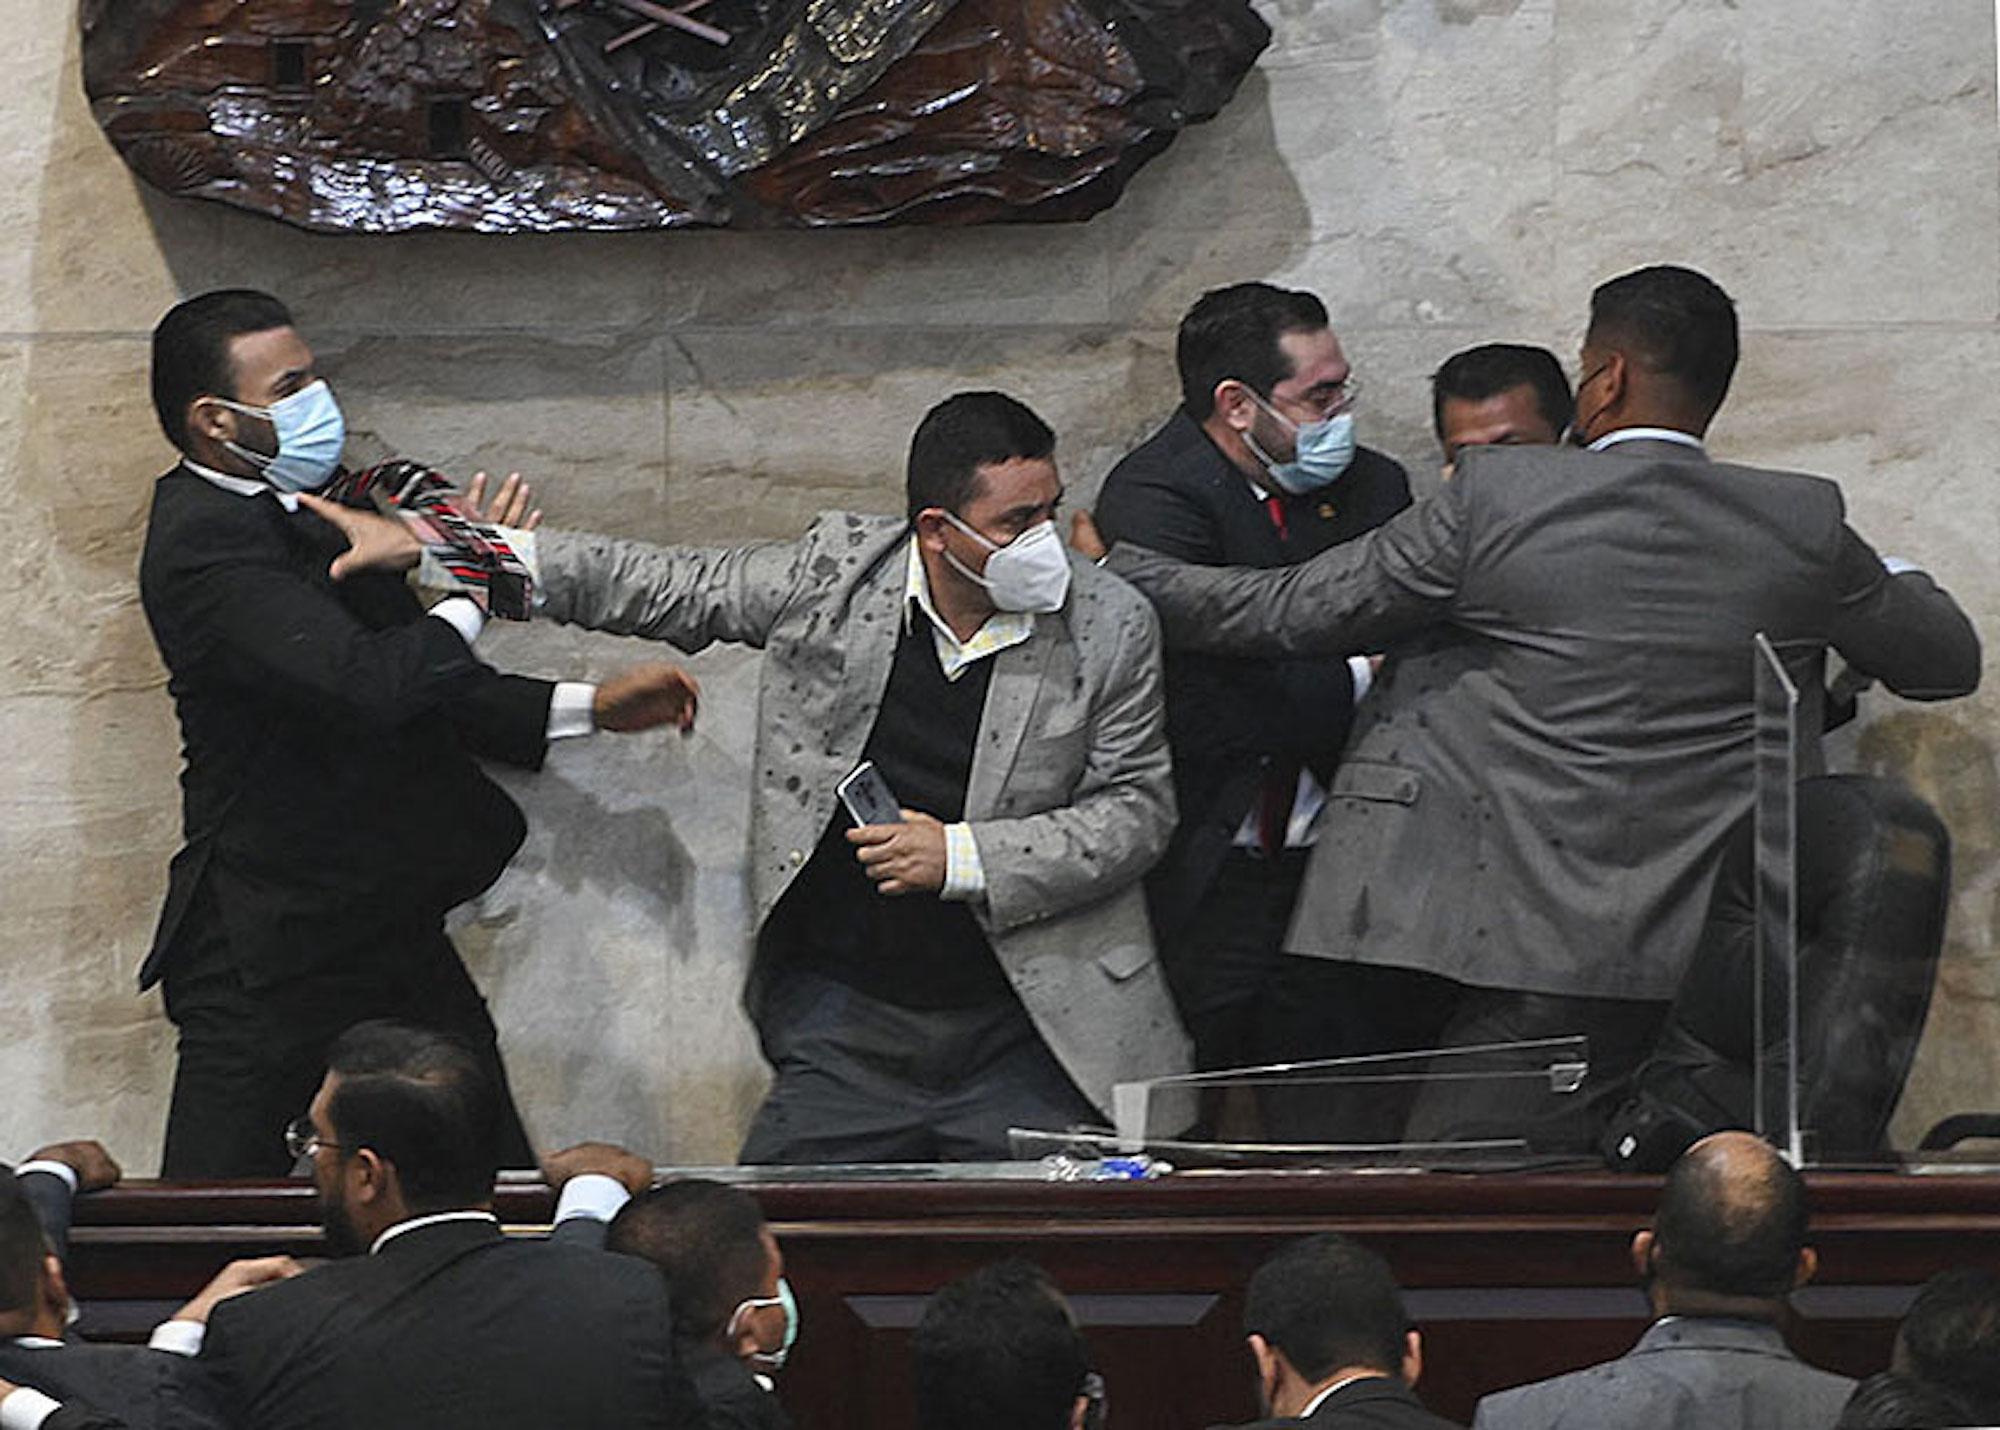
<point x="1648" y="434"/>
<point x="37" y="1343"/>
<point x="435" y="1219"/>
<point x="1342" y="1384"/>
<point x="241" y="486"/>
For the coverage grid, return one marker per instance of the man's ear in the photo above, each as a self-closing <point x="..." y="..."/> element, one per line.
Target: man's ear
<point x="54" y="1287"/>
<point x="930" y="525"/>
<point x="1235" y="404"/>
<point x="1642" y="1253"/>
<point x="1807" y="1268"/>
<point x="370" y="1179"/>
<point x="1413" y="1357"/>
<point x="209" y="418"/>
<point x="1616" y="383"/>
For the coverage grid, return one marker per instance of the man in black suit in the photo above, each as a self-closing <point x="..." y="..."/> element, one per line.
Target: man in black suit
<point x="1000" y="1350"/>
<point x="1951" y="1339"/>
<point x="1333" y="1344"/>
<point x="332" y="807"/>
<point x="148" y="1386"/>
<point x="438" y="1320"/>
<point x="725" y="1275"/>
<point x="1257" y="468"/>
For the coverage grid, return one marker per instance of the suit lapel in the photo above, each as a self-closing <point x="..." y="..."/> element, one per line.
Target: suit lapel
<point x="1010" y="702"/>
<point x="877" y="608"/>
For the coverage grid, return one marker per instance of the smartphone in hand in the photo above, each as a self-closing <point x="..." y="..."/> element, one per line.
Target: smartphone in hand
<point x="868" y="798"/>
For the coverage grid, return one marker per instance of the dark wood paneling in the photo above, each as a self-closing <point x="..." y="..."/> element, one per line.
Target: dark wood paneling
<point x="1513" y="1277"/>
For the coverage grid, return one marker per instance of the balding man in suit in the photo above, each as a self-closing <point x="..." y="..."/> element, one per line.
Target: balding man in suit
<point x="1523" y="832"/>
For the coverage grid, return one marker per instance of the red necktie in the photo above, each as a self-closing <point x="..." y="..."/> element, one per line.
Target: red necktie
<point x="1281" y="780"/>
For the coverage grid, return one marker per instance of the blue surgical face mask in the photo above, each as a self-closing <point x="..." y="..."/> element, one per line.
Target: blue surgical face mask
<point x="1325" y="450"/>
<point x="311" y="436"/>
<point x="774" y="1360"/>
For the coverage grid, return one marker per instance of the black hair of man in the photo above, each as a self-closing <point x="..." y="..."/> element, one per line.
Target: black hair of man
<point x="1674" y="322"/>
<point x="1731" y="1222"/>
<point x="999" y="1350"/>
<point x="425" y="1103"/>
<point x="1493" y="368"/>
<point x="706" y="1238"/>
<point x="1327" y="1302"/>
<point x="1889" y="1401"/>
<point x="963" y="433"/>
<point x="22" y="1247"/>
<point x="1951" y="1338"/>
<point x="1234" y="332"/>
<point x="191" y="350"/>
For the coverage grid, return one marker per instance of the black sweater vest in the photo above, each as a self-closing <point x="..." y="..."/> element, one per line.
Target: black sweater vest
<point x="911" y="950"/>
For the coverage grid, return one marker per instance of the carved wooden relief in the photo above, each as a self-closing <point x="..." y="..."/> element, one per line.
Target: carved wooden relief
<point x="519" y="115"/>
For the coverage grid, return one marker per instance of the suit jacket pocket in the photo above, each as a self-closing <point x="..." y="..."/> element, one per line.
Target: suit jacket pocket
<point x="1389" y="784"/>
<point x="1124" y="960"/>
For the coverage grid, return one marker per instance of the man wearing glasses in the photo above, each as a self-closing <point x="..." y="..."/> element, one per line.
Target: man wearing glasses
<point x="1258" y="467"/>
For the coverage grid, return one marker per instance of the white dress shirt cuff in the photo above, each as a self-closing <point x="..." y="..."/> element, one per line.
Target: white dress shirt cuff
<point x="1897" y="566"/>
<point x="54" y="1169"/>
<point x="181" y="1338"/>
<point x="26" y="1409"/>
<point x="592" y="1195"/>
<point x="572" y="710"/>
<point x="463" y="615"/>
<point x="1363" y="671"/>
<point x="964" y="875"/>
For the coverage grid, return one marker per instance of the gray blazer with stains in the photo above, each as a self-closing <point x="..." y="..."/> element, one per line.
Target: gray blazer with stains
<point x="1070" y="800"/>
<point x="1535" y="794"/>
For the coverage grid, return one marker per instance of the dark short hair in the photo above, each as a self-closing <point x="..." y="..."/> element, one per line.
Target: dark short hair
<point x="1234" y="332"/>
<point x="963" y="433"/>
<point x="425" y="1103"/>
<point x="1731" y="1230"/>
<point x="998" y="1350"/>
<point x="1888" y="1401"/>
<point x="22" y="1246"/>
<point x="707" y="1240"/>
<point x="1951" y="1338"/>
<point x="1493" y="368"/>
<point x="1675" y="322"/>
<point x="191" y="350"/>
<point x="1328" y="1302"/>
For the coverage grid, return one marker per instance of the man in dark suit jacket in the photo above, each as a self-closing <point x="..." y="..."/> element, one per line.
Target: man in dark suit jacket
<point x="148" y="1386"/>
<point x="725" y="1275"/>
<point x="439" y="1321"/>
<point x="1521" y="840"/>
<point x="333" y="809"/>
<point x="1235" y="478"/>
<point x="1726" y="1248"/>
<point x="1333" y="1345"/>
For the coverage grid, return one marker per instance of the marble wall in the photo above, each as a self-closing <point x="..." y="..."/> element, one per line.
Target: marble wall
<point x="1443" y="171"/>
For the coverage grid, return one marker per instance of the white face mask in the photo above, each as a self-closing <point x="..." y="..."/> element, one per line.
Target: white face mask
<point x="1029" y="573"/>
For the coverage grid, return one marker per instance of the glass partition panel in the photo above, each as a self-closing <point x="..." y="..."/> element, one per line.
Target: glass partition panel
<point x="1776" y="1003"/>
<point x="1493" y="1105"/>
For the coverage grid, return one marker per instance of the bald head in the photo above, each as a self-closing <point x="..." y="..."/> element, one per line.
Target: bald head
<point x="1731" y="1222"/>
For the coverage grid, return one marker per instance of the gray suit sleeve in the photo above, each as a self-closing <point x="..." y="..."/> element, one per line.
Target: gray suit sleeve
<point x="1903" y="630"/>
<point x="1117" y="823"/>
<point x="1350" y="599"/>
<point x="687" y="596"/>
<point x="581" y="1231"/>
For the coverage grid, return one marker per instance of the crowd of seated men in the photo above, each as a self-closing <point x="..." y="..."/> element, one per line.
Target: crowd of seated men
<point x="667" y="1305"/>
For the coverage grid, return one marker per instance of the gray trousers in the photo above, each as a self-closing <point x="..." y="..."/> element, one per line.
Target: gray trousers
<point x="859" y="1080"/>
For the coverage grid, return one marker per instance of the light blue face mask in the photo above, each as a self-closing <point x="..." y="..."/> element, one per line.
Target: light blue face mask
<point x="312" y="433"/>
<point x="1325" y="451"/>
<point x="773" y="1360"/>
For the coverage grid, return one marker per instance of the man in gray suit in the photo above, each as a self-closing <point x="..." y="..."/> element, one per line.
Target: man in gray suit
<point x="1522" y="836"/>
<point x="920" y="985"/>
<point x="1727" y="1246"/>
